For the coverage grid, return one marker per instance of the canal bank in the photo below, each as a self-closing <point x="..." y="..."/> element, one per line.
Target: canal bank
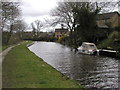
<point x="22" y="69"/>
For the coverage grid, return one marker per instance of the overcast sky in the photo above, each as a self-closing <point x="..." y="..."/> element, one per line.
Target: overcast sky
<point x="36" y="9"/>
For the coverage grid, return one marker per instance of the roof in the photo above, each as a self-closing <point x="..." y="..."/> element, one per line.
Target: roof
<point x="61" y="30"/>
<point x="106" y="15"/>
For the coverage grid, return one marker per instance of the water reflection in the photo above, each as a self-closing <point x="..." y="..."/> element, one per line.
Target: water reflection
<point x="90" y="71"/>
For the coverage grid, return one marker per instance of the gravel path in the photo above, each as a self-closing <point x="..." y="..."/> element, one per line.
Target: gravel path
<point x="4" y="53"/>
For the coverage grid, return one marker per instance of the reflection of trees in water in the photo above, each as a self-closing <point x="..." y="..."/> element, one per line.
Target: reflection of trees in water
<point x="82" y="65"/>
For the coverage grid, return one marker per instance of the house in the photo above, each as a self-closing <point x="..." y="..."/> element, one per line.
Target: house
<point x="60" y="32"/>
<point x="108" y="20"/>
<point x="106" y="23"/>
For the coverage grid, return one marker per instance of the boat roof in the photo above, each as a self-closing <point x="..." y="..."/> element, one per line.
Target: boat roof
<point x="88" y="43"/>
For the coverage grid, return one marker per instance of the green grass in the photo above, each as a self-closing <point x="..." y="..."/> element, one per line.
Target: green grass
<point x="5" y="47"/>
<point x="23" y="69"/>
<point x="2" y="48"/>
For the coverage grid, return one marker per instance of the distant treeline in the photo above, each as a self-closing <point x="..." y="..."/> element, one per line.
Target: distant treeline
<point x="19" y="36"/>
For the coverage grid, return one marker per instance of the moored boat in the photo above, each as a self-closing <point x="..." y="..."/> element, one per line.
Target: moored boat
<point x="88" y="48"/>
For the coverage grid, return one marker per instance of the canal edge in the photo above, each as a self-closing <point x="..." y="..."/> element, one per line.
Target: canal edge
<point x="53" y="67"/>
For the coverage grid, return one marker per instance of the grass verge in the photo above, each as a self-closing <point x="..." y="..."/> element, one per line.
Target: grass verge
<point x="23" y="69"/>
<point x="5" y="47"/>
<point x="2" y="48"/>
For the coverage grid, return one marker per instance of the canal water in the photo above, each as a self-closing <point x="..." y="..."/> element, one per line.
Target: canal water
<point x="89" y="71"/>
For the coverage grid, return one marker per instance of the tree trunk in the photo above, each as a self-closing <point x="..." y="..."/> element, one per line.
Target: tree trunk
<point x="9" y="34"/>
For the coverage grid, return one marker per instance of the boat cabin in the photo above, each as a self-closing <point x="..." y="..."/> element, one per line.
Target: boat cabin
<point x="87" y="48"/>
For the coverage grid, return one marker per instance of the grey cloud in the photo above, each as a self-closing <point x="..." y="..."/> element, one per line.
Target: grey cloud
<point x="28" y="10"/>
<point x="34" y="14"/>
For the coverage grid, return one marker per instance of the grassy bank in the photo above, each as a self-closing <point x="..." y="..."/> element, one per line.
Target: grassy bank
<point x="5" y="47"/>
<point x="23" y="69"/>
<point x="2" y="48"/>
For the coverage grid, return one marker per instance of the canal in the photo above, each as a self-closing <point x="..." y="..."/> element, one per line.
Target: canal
<point x="89" y="71"/>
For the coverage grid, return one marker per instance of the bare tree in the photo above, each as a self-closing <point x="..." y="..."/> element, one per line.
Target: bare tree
<point x="10" y="13"/>
<point x="37" y="25"/>
<point x="63" y="15"/>
<point x="19" y="27"/>
<point x="69" y="13"/>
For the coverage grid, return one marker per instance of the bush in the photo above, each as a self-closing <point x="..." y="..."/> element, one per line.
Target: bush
<point x="112" y="42"/>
